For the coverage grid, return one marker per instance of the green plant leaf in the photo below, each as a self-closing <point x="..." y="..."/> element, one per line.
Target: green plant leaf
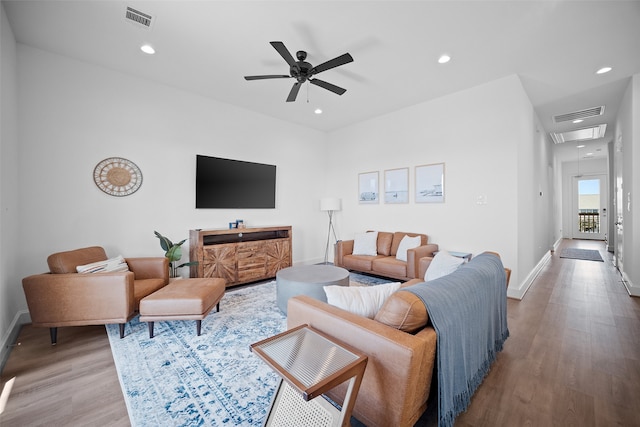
<point x="174" y="253"/>
<point x="165" y="243"/>
<point x="187" y="264"/>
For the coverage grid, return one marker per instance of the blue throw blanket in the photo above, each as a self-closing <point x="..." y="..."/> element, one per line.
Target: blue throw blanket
<point x="468" y="310"/>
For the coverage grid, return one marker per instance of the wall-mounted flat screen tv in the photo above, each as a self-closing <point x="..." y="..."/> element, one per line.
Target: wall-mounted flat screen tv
<point x="234" y="184"/>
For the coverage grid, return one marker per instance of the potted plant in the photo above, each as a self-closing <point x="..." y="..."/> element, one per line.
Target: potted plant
<point x="173" y="251"/>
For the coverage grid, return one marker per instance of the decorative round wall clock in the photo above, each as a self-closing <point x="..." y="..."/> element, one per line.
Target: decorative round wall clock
<point x="117" y="176"/>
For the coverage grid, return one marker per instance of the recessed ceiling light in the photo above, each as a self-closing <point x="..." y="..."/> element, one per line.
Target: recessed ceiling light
<point x="577" y="121"/>
<point x="580" y="146"/>
<point x="148" y="49"/>
<point x="317" y="111"/>
<point x="588" y="154"/>
<point x="604" y="70"/>
<point x="444" y="59"/>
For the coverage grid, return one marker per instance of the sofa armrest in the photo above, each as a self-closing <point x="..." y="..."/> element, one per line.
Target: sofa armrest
<point x="149" y="268"/>
<point x="397" y="379"/>
<point x="73" y="299"/>
<point x="413" y="257"/>
<point x="343" y="247"/>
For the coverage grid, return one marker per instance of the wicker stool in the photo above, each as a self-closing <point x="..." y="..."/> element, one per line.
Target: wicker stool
<point x="182" y="299"/>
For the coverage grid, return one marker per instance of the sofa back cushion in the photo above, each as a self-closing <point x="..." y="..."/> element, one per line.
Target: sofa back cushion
<point x="397" y="238"/>
<point x="66" y="262"/>
<point x="404" y="311"/>
<point x="384" y="243"/>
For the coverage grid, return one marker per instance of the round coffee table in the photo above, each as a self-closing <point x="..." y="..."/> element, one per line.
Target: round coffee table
<point x="308" y="280"/>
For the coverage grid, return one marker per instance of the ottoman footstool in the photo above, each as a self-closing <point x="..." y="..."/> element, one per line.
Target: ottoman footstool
<point x="182" y="299"/>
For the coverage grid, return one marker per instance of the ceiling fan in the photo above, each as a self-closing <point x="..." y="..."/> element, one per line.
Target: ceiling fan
<point x="303" y="71"/>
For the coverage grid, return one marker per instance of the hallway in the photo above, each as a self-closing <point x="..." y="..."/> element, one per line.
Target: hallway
<point x="573" y="356"/>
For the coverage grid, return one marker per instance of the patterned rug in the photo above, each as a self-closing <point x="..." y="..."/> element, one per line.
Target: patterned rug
<point x="180" y="379"/>
<point x="585" y="254"/>
<point x="365" y="279"/>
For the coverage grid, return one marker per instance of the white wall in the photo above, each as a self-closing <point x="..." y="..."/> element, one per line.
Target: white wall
<point x="535" y="196"/>
<point x="478" y="134"/>
<point x="628" y="130"/>
<point x="10" y="288"/>
<point x="72" y="115"/>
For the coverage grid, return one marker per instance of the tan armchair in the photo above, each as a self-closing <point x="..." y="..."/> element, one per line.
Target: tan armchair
<point x="63" y="297"/>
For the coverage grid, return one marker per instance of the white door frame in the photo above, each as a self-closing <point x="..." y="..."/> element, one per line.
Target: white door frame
<point x="618" y="205"/>
<point x="576" y="233"/>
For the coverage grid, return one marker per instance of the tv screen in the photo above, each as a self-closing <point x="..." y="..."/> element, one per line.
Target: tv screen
<point x="234" y="184"/>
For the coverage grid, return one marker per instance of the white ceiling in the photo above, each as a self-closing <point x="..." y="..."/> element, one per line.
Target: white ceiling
<point x="206" y="47"/>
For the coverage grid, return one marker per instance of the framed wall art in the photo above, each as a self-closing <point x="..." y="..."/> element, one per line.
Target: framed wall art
<point x="430" y="183"/>
<point x="396" y="185"/>
<point x="368" y="188"/>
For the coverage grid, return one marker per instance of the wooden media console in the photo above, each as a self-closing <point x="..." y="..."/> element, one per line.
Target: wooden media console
<point x="240" y="255"/>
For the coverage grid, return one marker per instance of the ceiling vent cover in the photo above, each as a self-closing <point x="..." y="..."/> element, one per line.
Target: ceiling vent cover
<point x="585" y="134"/>
<point x="579" y="115"/>
<point x="141" y="19"/>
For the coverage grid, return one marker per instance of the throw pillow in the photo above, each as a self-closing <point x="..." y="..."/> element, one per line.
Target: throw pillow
<point x="362" y="300"/>
<point x="404" y="311"/>
<point x="365" y="243"/>
<point x="443" y="263"/>
<point x="407" y="243"/>
<point x="110" y="265"/>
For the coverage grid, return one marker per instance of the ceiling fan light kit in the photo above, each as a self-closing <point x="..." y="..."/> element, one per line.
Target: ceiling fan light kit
<point x="303" y="71"/>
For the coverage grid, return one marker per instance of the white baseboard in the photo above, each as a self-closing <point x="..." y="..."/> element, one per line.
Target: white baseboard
<point x="519" y="292"/>
<point x="633" y="290"/>
<point x="9" y="339"/>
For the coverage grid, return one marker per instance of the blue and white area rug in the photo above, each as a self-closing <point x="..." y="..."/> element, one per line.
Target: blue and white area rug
<point x="180" y="379"/>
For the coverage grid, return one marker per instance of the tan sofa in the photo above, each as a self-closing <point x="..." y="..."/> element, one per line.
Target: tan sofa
<point x="385" y="263"/>
<point x="400" y="343"/>
<point x="397" y="379"/>
<point x="63" y="297"/>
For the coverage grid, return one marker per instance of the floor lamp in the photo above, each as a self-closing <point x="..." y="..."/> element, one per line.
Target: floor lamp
<point x="330" y="205"/>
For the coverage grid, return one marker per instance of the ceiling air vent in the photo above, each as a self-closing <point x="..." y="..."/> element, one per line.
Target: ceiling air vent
<point x="579" y="115"/>
<point x="585" y="134"/>
<point x="141" y="19"/>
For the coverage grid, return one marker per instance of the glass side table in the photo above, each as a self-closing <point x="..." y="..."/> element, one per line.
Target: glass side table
<point x="310" y="364"/>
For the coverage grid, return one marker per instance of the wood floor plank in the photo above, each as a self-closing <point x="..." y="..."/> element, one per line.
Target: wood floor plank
<point x="572" y="358"/>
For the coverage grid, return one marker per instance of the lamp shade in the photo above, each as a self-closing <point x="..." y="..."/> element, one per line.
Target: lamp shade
<point x="330" y="204"/>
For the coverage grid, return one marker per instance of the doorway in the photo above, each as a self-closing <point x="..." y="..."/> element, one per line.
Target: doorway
<point x="589" y="215"/>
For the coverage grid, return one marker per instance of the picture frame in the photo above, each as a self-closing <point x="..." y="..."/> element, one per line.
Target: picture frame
<point x="368" y="188"/>
<point x="396" y="186"/>
<point x="430" y="183"/>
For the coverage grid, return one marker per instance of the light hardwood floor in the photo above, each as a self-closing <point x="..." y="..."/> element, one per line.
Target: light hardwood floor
<point x="573" y="358"/>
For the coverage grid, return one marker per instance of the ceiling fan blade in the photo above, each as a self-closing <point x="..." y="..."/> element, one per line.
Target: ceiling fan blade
<point x="335" y="62"/>
<point x="294" y="92"/>
<point x="333" y="88"/>
<point x="284" y="52"/>
<point x="273" y="76"/>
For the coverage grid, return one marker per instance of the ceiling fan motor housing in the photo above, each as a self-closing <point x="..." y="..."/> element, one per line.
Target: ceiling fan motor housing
<point x="301" y="70"/>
